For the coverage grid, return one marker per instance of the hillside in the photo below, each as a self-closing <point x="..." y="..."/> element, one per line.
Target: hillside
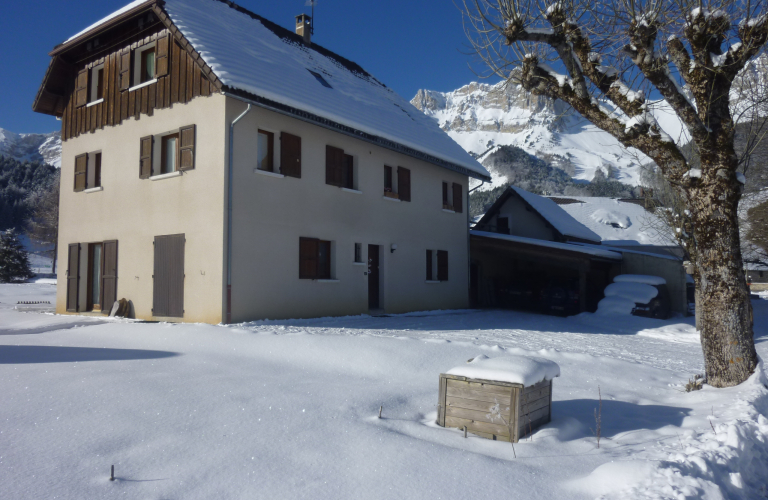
<point x="39" y="148"/>
<point x="17" y="181"/>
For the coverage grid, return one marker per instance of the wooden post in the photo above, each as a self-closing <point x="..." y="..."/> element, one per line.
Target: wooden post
<point x="380" y="410"/>
<point x="441" y="402"/>
<point x="514" y="414"/>
<point x="465" y="432"/>
<point x="112" y="474"/>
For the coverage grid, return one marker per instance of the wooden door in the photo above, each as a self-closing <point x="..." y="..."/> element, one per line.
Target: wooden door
<point x="73" y="277"/>
<point x="109" y="276"/>
<point x="373" y="277"/>
<point x="168" y="285"/>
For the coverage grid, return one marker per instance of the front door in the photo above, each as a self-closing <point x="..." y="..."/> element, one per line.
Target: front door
<point x="94" y="277"/>
<point x="168" y="286"/>
<point x="373" y="277"/>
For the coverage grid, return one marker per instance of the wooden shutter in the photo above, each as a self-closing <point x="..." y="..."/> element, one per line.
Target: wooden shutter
<point x="458" y="203"/>
<point x="162" y="57"/>
<point x="429" y="265"/>
<point x="109" y="276"/>
<point x="187" y="147"/>
<point x="81" y="88"/>
<point x="334" y="164"/>
<point x="168" y="278"/>
<point x="347" y="179"/>
<point x="81" y="171"/>
<point x="290" y="155"/>
<point x="442" y="265"/>
<point x="308" y="250"/>
<point x="125" y="70"/>
<point x="145" y="157"/>
<point x="404" y="184"/>
<point x="73" y="277"/>
<point x="445" y="194"/>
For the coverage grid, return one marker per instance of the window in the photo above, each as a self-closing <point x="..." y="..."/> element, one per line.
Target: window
<point x="457" y="198"/>
<point x="96" y="84"/>
<point x="359" y="253"/>
<point x="446" y="201"/>
<point x="403" y="192"/>
<point x="170" y="153"/>
<point x="87" y="171"/>
<point x="320" y="79"/>
<point x="387" y="178"/>
<point x="437" y="265"/>
<point x="339" y="168"/>
<point x="315" y="259"/>
<point x="266" y="151"/>
<point x="146" y="71"/>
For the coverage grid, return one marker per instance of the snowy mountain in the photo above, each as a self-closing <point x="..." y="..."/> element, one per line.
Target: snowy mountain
<point x="32" y="147"/>
<point x="481" y="117"/>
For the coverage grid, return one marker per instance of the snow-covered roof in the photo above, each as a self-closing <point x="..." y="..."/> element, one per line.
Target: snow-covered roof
<point x="512" y="368"/>
<point x="555" y="215"/>
<point x="113" y="15"/>
<point x="253" y="55"/>
<point x="585" y="249"/>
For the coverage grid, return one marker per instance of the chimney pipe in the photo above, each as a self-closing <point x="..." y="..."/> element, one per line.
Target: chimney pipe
<point x="304" y="28"/>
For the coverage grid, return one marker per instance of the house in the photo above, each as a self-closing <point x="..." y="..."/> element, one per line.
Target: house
<point x="217" y="167"/>
<point x="524" y="243"/>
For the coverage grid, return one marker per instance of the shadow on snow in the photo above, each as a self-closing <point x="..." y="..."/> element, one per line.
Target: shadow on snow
<point x="23" y="354"/>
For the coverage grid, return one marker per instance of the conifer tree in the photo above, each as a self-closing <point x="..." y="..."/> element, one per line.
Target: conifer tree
<point x="14" y="260"/>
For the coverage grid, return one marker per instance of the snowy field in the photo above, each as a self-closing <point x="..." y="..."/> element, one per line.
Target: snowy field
<point x="288" y="409"/>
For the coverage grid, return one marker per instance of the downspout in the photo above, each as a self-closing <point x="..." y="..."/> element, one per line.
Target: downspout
<point x="229" y="210"/>
<point x="469" y="247"/>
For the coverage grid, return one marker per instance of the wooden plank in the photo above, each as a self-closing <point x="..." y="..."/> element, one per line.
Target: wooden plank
<point x="196" y="80"/>
<point x="145" y="100"/>
<point x="190" y="77"/>
<point x="473" y="426"/>
<point x="479" y="386"/>
<point x="441" y="402"/>
<point x="538" y="385"/>
<point x="473" y="404"/>
<point x="124" y="100"/>
<point x="83" y="120"/>
<point x="527" y="430"/>
<point x="167" y="93"/>
<point x="535" y="394"/>
<point x="131" y="103"/>
<point x="94" y="117"/>
<point x="481" y="381"/>
<point x="205" y="87"/>
<point x="514" y="420"/>
<point x="137" y="109"/>
<point x="455" y="392"/>
<point x="534" y="415"/>
<point x="534" y="405"/>
<point x="87" y="112"/>
<point x="477" y="416"/>
<point x="99" y="115"/>
<point x="549" y="417"/>
<point x="175" y="73"/>
<point x="160" y="100"/>
<point x="113" y="92"/>
<point x="182" y="75"/>
<point x="152" y="95"/>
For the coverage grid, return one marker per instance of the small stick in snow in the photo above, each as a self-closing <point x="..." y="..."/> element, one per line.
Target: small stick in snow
<point x="381" y="408"/>
<point x="112" y="474"/>
<point x="713" y="427"/>
<point x="465" y="432"/>
<point x="598" y="417"/>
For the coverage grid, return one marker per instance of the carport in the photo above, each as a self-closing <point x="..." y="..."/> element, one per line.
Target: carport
<point x="510" y="271"/>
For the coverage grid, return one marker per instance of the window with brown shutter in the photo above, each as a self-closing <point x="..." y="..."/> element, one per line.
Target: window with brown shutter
<point x="265" y="151"/>
<point x="404" y="184"/>
<point x="187" y="148"/>
<point x="81" y="88"/>
<point x="81" y="172"/>
<point x="334" y="165"/>
<point x="458" y="205"/>
<point x="446" y="204"/>
<point x="347" y="174"/>
<point x="290" y="155"/>
<point x="125" y="70"/>
<point x="314" y="259"/>
<point x="169" y="153"/>
<point x="429" y="265"/>
<point x="324" y="260"/>
<point x="161" y="58"/>
<point x="96" y="170"/>
<point x="387" y="178"/>
<point x="99" y="83"/>
<point x="442" y="265"/>
<point x="145" y="157"/>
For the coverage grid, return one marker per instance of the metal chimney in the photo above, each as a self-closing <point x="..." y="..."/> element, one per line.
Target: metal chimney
<point x="304" y="27"/>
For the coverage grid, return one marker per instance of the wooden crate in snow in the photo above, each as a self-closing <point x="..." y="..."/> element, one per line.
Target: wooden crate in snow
<point x="496" y="410"/>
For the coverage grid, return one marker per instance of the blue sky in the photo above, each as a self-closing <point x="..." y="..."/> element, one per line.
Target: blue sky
<point x="406" y="44"/>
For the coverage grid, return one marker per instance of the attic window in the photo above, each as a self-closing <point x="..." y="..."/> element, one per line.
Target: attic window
<point x="320" y="79"/>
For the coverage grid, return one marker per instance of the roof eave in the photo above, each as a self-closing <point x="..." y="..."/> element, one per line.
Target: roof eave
<point x="284" y="109"/>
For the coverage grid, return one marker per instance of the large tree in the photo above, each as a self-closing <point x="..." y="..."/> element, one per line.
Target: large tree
<point x="612" y="61"/>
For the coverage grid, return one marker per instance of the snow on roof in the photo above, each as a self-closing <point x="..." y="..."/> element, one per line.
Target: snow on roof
<point x="588" y="250"/>
<point x="640" y="293"/>
<point x="620" y="249"/>
<point x="512" y="368"/>
<point x="640" y="278"/>
<point x="255" y="56"/>
<point x="113" y="15"/>
<point x="555" y="215"/>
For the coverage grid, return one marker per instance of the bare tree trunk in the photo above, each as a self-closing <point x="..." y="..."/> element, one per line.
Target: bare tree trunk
<point x="723" y="308"/>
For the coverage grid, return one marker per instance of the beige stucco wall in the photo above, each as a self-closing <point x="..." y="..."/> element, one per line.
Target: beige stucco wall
<point x="522" y="222"/>
<point x="271" y="214"/>
<point x="134" y="211"/>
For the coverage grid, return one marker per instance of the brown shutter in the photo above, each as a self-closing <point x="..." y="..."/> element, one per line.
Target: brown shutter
<point x="73" y="277"/>
<point x="168" y="277"/>
<point x="109" y="276"/>
<point x="429" y="265"/>
<point x="308" y="250"/>
<point x="125" y="70"/>
<point x="347" y="174"/>
<point x="145" y="157"/>
<point x="334" y="164"/>
<point x="445" y="194"/>
<point x="81" y="88"/>
<point x="442" y="265"/>
<point x="290" y="155"/>
<point x="81" y="171"/>
<point x="404" y="184"/>
<point x="187" y="148"/>
<point x="161" y="57"/>
<point x="458" y="202"/>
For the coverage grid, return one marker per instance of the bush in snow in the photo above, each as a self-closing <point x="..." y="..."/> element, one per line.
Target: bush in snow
<point x="14" y="260"/>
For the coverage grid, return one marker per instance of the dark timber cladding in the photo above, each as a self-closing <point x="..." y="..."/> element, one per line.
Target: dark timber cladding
<point x="180" y="76"/>
<point x="168" y="284"/>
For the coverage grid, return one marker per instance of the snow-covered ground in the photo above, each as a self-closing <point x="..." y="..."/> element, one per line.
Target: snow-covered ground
<point x="288" y="409"/>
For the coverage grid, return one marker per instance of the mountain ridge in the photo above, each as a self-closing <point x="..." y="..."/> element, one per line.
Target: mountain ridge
<point x="42" y="148"/>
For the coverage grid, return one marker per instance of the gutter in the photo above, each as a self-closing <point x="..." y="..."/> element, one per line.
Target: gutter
<point x="469" y="244"/>
<point x="230" y="171"/>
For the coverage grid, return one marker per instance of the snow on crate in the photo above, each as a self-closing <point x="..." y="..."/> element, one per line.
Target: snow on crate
<point x="515" y="369"/>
